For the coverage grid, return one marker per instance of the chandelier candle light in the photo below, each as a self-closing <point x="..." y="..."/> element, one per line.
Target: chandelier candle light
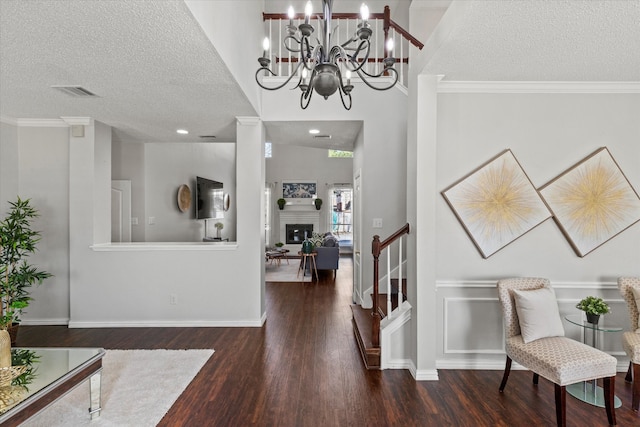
<point x="320" y="68"/>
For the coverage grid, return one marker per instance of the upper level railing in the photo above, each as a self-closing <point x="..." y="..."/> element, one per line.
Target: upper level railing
<point x="377" y="247"/>
<point x="383" y="28"/>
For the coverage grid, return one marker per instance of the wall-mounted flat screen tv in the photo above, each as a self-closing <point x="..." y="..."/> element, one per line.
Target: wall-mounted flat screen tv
<point x="209" y="199"/>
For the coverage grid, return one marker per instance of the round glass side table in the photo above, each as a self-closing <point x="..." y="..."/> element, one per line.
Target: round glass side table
<point x="588" y="391"/>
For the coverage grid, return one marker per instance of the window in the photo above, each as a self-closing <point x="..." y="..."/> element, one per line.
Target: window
<point x="340" y="153"/>
<point x="267" y="150"/>
<point x="341" y="220"/>
<point x="267" y="215"/>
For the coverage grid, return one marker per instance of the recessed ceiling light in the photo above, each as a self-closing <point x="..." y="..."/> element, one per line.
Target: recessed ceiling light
<point x="183" y="131"/>
<point x="314" y="131"/>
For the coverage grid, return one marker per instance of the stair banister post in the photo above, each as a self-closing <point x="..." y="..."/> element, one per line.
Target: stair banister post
<point x="400" y="296"/>
<point x="375" y="315"/>
<point x="389" y="283"/>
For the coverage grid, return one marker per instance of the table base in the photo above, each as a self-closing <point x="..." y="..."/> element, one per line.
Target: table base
<point x="593" y="395"/>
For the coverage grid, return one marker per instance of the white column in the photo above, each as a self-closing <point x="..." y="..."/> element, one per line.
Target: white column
<point x="250" y="177"/>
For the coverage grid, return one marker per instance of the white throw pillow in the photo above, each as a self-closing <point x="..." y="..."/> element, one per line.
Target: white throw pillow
<point x="538" y="314"/>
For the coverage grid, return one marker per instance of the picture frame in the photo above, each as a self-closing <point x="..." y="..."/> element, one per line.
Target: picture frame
<point x="496" y="203"/>
<point x="592" y="201"/>
<point x="299" y="189"/>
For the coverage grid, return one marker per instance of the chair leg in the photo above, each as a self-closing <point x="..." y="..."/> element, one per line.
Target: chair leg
<point x="609" y="384"/>
<point x="629" y="376"/>
<point x="561" y="405"/>
<point x="505" y="376"/>
<point x="635" y="393"/>
<point x="536" y="378"/>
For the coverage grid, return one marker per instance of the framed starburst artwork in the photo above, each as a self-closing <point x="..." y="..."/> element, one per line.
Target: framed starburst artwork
<point x="592" y="201"/>
<point x="496" y="203"/>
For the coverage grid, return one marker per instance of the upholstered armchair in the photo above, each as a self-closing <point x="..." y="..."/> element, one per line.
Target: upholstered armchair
<point x="630" y="289"/>
<point x="535" y="339"/>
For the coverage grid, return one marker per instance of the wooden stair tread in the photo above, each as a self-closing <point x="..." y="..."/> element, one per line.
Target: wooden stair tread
<point x="362" y="329"/>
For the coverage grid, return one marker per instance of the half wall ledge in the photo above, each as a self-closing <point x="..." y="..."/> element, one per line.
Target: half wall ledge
<point x="164" y="246"/>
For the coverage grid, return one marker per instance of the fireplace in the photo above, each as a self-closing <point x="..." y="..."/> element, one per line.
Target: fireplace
<point x="296" y="233"/>
<point x="297" y="217"/>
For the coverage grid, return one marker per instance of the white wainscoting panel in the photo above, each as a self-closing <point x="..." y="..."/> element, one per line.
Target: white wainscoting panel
<point x="471" y="331"/>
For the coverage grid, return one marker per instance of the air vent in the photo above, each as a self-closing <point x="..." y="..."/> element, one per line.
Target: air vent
<point x="75" y="91"/>
<point x="322" y="136"/>
<point x="207" y="136"/>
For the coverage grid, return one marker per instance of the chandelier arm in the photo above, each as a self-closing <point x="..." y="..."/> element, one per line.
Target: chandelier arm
<point x="289" y="48"/>
<point x="360" y="48"/>
<point x="346" y="44"/>
<point x="312" y="51"/>
<point x="359" y="63"/>
<point x="362" y="75"/>
<point x="306" y="95"/>
<point x="275" y="75"/>
<point x="344" y="95"/>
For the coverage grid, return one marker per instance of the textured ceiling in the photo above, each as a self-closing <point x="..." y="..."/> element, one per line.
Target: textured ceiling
<point x="155" y="71"/>
<point x="149" y="62"/>
<point x="343" y="133"/>
<point x="540" y="40"/>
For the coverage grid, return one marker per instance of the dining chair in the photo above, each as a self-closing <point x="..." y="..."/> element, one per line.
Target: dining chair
<point x="630" y="289"/>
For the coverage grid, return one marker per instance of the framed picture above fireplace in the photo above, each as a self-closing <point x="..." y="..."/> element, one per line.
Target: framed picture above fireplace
<point x="299" y="189"/>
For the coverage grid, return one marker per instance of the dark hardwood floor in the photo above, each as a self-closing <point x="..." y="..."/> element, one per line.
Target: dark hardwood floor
<point x="303" y="368"/>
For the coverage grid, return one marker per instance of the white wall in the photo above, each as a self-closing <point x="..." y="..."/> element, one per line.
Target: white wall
<point x="8" y="163"/>
<point x="43" y="172"/>
<point x="133" y="285"/>
<point x="234" y="29"/>
<point x="291" y="162"/>
<point x="548" y="133"/>
<point x="167" y="166"/>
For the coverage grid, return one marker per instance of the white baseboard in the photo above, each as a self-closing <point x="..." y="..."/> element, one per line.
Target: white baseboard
<point x="45" y="322"/>
<point x="170" y="324"/>
<point x="493" y="365"/>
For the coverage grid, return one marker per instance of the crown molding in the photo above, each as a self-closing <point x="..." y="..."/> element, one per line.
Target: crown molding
<point x="73" y="121"/>
<point x="8" y="121"/>
<point x="42" y="123"/>
<point x="445" y="86"/>
<point x="248" y="120"/>
<point x="62" y="122"/>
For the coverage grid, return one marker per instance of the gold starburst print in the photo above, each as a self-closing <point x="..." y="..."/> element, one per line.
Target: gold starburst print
<point x="497" y="203"/>
<point x="592" y="202"/>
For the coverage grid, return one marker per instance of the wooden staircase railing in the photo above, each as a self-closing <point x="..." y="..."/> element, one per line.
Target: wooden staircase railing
<point x="377" y="247"/>
<point x="381" y="23"/>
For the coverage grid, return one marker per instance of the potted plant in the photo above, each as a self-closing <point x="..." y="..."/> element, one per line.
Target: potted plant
<point x="281" y="202"/>
<point x="219" y="226"/>
<point x="594" y="307"/>
<point x="17" y="242"/>
<point x="279" y="244"/>
<point x="318" y="203"/>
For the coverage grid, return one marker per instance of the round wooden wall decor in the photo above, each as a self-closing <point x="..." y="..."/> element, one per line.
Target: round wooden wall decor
<point x="184" y="198"/>
<point x="226" y="202"/>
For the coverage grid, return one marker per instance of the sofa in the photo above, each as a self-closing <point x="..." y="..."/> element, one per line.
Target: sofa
<point x="328" y="252"/>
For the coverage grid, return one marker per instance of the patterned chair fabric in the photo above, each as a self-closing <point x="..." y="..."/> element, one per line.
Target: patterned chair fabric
<point x="631" y="339"/>
<point x="560" y="360"/>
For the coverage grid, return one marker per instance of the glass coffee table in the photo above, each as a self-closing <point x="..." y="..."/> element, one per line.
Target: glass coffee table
<point x="51" y="373"/>
<point x="588" y="391"/>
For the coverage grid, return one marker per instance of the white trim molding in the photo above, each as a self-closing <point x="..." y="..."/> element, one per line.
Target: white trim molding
<point x="446" y="86"/>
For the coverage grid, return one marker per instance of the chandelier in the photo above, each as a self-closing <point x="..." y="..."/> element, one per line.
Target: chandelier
<point x="320" y="67"/>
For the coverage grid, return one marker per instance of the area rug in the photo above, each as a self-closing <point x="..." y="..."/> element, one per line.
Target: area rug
<point x="138" y="388"/>
<point x="284" y="272"/>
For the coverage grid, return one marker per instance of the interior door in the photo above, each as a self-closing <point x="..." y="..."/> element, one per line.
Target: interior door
<point x="357" y="241"/>
<point x="120" y="211"/>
